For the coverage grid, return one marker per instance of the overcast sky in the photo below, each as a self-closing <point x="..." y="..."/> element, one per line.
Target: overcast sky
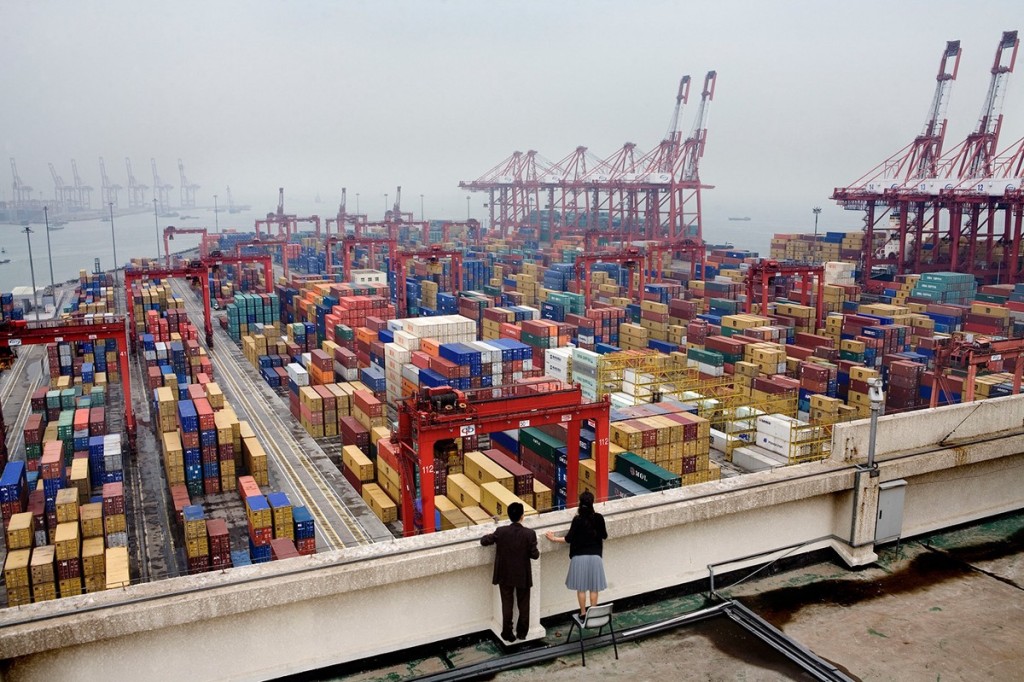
<point x="314" y="96"/>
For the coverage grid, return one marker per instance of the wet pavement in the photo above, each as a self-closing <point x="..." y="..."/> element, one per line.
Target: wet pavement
<point x="940" y="607"/>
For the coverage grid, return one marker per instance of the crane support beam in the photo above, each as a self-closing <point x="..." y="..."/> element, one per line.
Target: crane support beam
<point x="192" y="271"/>
<point x="432" y="255"/>
<point x="510" y="407"/>
<point x="14" y="334"/>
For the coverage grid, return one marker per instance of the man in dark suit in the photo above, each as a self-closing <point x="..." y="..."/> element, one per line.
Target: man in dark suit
<point x="516" y="546"/>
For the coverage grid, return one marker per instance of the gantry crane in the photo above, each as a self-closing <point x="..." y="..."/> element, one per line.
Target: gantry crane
<point x="395" y="215"/>
<point x="279" y="218"/>
<point x="760" y="274"/>
<point x="687" y="248"/>
<point x="443" y="414"/>
<point x="188" y="189"/>
<point x="22" y="193"/>
<point x="215" y="260"/>
<point x="630" y="258"/>
<point x="136" y="190"/>
<point x="108" y="190"/>
<point x="63" y="194"/>
<point x="432" y="255"/>
<point x="83" y="191"/>
<point x="194" y="271"/>
<point x="171" y="230"/>
<point x="972" y="352"/>
<point x="78" y="329"/>
<point x="267" y="243"/>
<point x="348" y="245"/>
<point x="161" y="191"/>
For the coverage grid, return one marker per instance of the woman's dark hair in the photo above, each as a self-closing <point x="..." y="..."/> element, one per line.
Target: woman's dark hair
<point x="586" y="508"/>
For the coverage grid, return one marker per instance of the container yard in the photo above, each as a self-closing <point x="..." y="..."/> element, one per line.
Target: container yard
<point x="414" y="388"/>
<point x="328" y="406"/>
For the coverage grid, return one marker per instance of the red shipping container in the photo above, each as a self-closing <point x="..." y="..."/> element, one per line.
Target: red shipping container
<point x="113" y="498"/>
<point x="205" y="414"/>
<point x="282" y="548"/>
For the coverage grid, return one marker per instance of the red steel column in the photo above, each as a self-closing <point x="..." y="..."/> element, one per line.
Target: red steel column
<point x="599" y="450"/>
<point x="126" y="387"/>
<point x="426" y="463"/>
<point x="572" y="460"/>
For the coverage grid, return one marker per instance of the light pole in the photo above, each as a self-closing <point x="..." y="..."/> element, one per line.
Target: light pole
<point x="216" y="221"/>
<point x="877" y="398"/>
<point x="113" y="238"/>
<point x="156" y="225"/>
<point x="421" y="208"/>
<point x="49" y="253"/>
<point x="817" y="251"/>
<point x="32" y="269"/>
<point x="385" y="206"/>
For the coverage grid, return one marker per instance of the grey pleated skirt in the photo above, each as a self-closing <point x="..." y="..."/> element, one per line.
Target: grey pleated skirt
<point x="586" y="574"/>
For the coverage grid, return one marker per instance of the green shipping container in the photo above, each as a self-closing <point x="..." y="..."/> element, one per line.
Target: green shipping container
<point x="647" y="474"/>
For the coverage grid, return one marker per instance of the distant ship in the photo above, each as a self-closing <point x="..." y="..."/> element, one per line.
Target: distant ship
<point x="4" y="261"/>
<point x="56" y="226"/>
<point x="743" y="218"/>
<point x="188" y="217"/>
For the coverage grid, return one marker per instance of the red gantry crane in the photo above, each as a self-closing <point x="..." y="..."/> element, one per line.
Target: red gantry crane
<point x="431" y="255"/>
<point x="443" y="414"/>
<point x="348" y="245"/>
<point x="760" y="274"/>
<point x="631" y="258"/>
<point x="973" y="352"/>
<point x="267" y="243"/>
<point x="78" y="329"/>
<point x="193" y="271"/>
<point x="171" y="230"/>
<point x="690" y="250"/>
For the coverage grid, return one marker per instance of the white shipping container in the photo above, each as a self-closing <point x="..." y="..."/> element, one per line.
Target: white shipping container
<point x="298" y="375"/>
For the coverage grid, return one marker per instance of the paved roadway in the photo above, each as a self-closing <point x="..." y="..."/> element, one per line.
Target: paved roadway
<point x="298" y="465"/>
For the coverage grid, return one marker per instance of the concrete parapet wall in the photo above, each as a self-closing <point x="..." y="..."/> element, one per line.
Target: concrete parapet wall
<point x="302" y="614"/>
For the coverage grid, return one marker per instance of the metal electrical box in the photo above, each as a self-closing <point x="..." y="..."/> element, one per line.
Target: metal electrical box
<point x="889" y="524"/>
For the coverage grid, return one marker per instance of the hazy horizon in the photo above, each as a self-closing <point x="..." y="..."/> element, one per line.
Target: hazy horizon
<point x="317" y="96"/>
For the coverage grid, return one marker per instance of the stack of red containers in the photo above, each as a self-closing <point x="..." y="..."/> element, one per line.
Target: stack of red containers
<point x="220" y="544"/>
<point x="904" y="390"/>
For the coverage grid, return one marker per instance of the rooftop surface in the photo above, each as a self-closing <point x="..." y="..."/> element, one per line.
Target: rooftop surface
<point x="943" y="606"/>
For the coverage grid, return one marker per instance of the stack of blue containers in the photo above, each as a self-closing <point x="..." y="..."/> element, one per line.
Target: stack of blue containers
<point x="374" y="378"/>
<point x="96" y="468"/>
<point x="558" y="276"/>
<point x="179" y="362"/>
<point x="193" y="456"/>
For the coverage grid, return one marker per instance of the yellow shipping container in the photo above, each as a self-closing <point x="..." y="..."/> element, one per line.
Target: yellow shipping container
<point x="495" y="498"/>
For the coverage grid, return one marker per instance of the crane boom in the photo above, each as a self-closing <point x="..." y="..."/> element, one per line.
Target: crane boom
<point x="973" y="158"/>
<point x="693" y="149"/>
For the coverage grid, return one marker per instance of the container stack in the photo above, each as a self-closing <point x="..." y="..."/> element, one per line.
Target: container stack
<point x="117" y="568"/>
<point x="43" y="574"/>
<point x="946" y="287"/>
<point x="115" y="525"/>
<point x="246" y="311"/>
<point x="281" y="515"/>
<point x="197" y="544"/>
<point x="220" y="544"/>
<point x="67" y="549"/>
<point x="14" y="490"/>
<point x="17" y="577"/>
<point x="304" y="530"/>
